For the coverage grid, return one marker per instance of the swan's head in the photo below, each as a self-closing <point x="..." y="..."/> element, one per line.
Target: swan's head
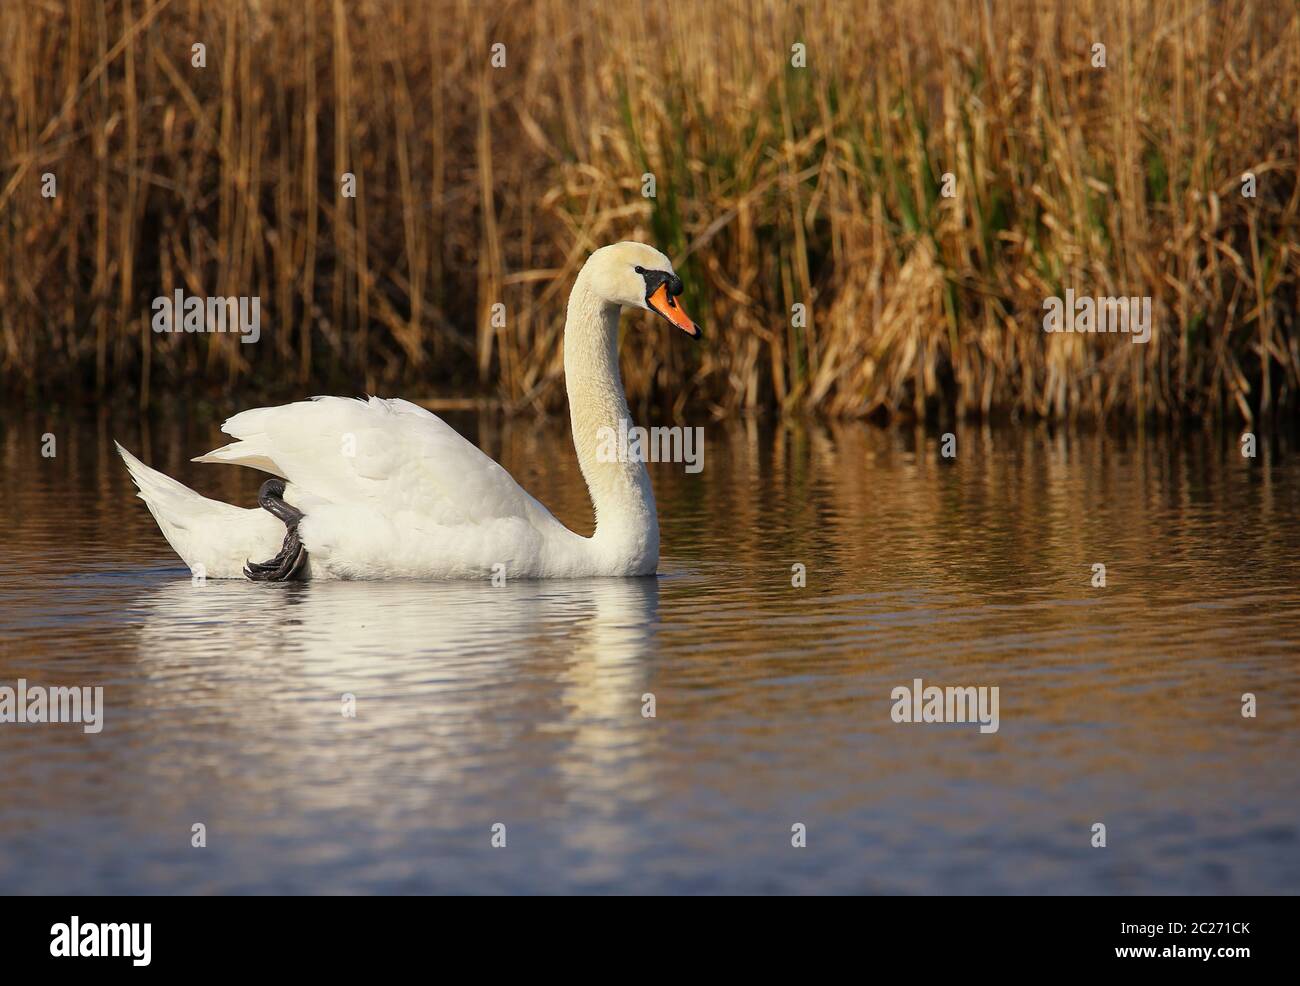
<point x="635" y="275"/>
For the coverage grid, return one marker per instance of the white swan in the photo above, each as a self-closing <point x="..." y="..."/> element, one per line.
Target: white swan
<point x="385" y="489"/>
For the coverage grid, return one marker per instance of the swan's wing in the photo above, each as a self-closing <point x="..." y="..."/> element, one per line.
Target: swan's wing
<point x="391" y="453"/>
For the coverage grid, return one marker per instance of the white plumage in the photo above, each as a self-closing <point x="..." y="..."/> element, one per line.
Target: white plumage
<point x="388" y="489"/>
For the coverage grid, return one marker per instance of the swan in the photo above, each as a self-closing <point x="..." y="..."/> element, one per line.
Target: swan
<point x="374" y="489"/>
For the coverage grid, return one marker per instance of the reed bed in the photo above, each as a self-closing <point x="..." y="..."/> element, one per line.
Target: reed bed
<point x="776" y="186"/>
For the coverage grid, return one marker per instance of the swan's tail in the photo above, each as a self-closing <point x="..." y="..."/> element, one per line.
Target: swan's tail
<point x="214" y="539"/>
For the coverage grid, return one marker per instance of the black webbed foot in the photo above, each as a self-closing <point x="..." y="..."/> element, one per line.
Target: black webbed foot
<point x="292" y="560"/>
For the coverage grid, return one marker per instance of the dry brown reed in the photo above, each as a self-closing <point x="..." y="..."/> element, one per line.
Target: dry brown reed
<point x="776" y="186"/>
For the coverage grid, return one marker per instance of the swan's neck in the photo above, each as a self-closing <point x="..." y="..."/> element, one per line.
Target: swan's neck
<point x="627" y="525"/>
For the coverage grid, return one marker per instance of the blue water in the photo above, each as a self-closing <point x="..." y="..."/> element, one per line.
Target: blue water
<point x="522" y="705"/>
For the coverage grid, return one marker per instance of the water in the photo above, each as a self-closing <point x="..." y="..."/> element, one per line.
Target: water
<point x="522" y="705"/>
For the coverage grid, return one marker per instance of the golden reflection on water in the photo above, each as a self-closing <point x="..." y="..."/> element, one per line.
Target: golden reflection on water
<point x="523" y="704"/>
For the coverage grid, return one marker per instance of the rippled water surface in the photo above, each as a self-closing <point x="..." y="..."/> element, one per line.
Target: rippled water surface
<point x="522" y="705"/>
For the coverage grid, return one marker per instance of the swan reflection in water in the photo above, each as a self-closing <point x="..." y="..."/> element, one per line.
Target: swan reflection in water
<point x="450" y="680"/>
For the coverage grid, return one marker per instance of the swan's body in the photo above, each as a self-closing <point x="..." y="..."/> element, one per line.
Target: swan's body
<point x="389" y="490"/>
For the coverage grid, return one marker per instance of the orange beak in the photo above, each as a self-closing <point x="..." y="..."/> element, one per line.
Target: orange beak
<point x="666" y="305"/>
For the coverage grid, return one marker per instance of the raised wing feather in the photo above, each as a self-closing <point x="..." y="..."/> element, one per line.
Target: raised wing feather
<point x="391" y="452"/>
